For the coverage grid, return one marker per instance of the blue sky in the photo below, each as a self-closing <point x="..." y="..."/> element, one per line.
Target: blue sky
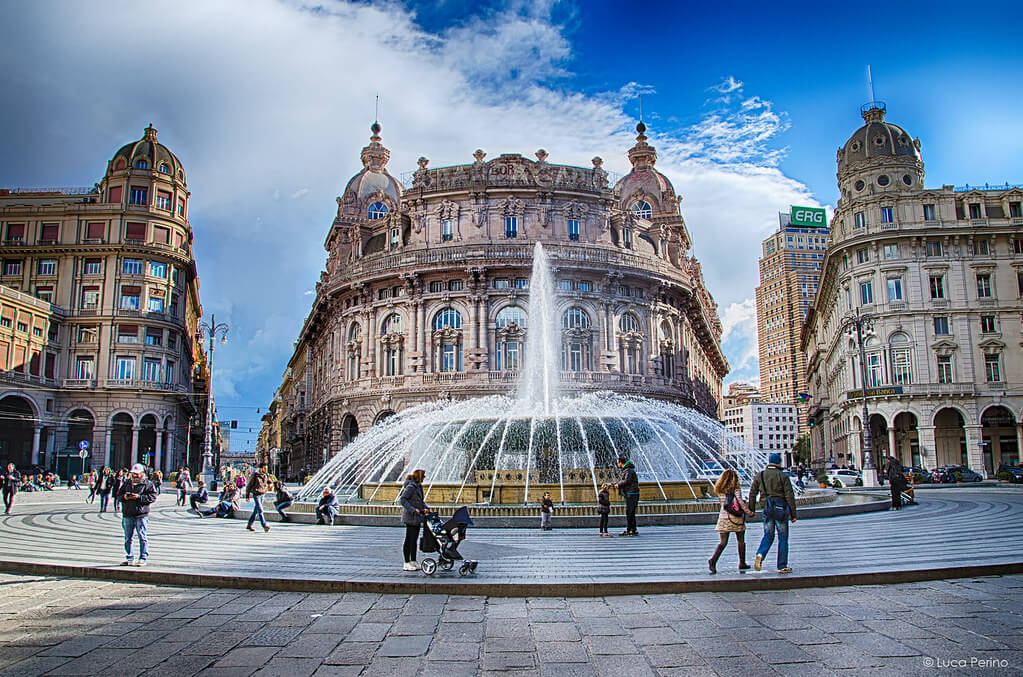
<point x="267" y="104"/>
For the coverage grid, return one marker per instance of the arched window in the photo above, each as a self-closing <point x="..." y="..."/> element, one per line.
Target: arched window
<point x="377" y="210"/>
<point x="901" y="359"/>
<point x="141" y="164"/>
<point x="391" y="325"/>
<point x="875" y="363"/>
<point x="165" y="168"/>
<point x="509" y="315"/>
<point x="628" y="323"/>
<point x="641" y="209"/>
<point x="575" y="318"/>
<point x="355" y="333"/>
<point x="449" y="318"/>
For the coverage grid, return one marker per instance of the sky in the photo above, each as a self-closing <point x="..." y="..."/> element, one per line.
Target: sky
<point x="267" y="103"/>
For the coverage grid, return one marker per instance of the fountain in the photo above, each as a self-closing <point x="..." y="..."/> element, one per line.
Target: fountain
<point x="508" y="450"/>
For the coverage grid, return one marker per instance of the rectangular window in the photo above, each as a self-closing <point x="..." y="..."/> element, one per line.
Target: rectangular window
<point x="448" y="360"/>
<point x="902" y="373"/>
<point x="132" y="267"/>
<point x="891" y="251"/>
<point x="154" y="337"/>
<point x="45" y="293"/>
<point x="395" y="237"/>
<point x="139" y="196"/>
<point x="585" y="285"/>
<point x="21" y="326"/>
<point x="181" y="206"/>
<point x="125" y="368"/>
<point x="50" y="232"/>
<point x="500" y="284"/>
<point x="447" y="230"/>
<point x="862" y="255"/>
<point x="15" y="232"/>
<point x="565" y="285"/>
<point x="987" y="324"/>
<point x="944" y="369"/>
<point x="975" y="210"/>
<point x="455" y="285"/>
<point x="1019" y="281"/>
<point x="980" y="248"/>
<point x="12" y="267"/>
<point x="522" y="283"/>
<point x="573" y="229"/>
<point x="150" y="369"/>
<point x="169" y="376"/>
<point x="937" y="285"/>
<point x="934" y="248"/>
<point x="172" y="340"/>
<point x="860" y="220"/>
<point x="90" y="298"/>
<point x="163" y="200"/>
<point x="941" y="326"/>
<point x="984" y="286"/>
<point x="866" y="293"/>
<point x="894" y="289"/>
<point x="158" y="269"/>
<point x="929" y="213"/>
<point x="131" y="298"/>
<point x="88" y="334"/>
<point x="161" y="235"/>
<point x="93" y="267"/>
<point x="83" y="367"/>
<point x="47" y="267"/>
<point x="94" y="231"/>
<point x="49" y="365"/>
<point x="127" y="333"/>
<point x="875" y="372"/>
<point x="511" y="227"/>
<point x="992" y="369"/>
<point x="436" y="286"/>
<point x="135" y="232"/>
<point x="627" y="237"/>
<point x="624" y="291"/>
<point x="886" y="215"/>
<point x="1015" y="210"/>
<point x="173" y="310"/>
<point x="1017" y="246"/>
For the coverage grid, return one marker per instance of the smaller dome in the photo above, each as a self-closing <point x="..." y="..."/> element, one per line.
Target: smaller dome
<point x="147" y="153"/>
<point x="877" y="139"/>
<point x="643" y="179"/>
<point x="374" y="177"/>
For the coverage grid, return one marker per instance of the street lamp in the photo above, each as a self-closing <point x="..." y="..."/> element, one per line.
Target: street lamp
<point x="210" y="330"/>
<point x="860" y="323"/>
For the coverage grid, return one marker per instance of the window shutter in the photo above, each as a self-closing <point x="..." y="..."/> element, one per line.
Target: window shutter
<point x="95" y="231"/>
<point x="51" y="232"/>
<point x="115" y="194"/>
<point x="130" y="291"/>
<point x="51" y="360"/>
<point x="161" y="235"/>
<point x="135" y="231"/>
<point x="16" y="231"/>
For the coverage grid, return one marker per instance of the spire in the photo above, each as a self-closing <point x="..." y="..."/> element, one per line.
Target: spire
<point x="642" y="155"/>
<point x="375" y="156"/>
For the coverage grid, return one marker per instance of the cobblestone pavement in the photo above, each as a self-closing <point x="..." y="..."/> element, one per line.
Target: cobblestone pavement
<point x="949" y="528"/>
<point x="61" y="626"/>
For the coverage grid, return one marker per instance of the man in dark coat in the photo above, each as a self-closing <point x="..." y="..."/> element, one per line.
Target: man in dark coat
<point x="894" y="473"/>
<point x="10" y="480"/>
<point x="628" y="486"/>
<point x="136" y="494"/>
<point x="778" y="510"/>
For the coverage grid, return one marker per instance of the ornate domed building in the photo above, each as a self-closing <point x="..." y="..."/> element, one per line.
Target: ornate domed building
<point x="938" y="274"/>
<point x="426" y="289"/>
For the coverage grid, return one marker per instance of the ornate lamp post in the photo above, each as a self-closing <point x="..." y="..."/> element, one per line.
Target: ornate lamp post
<point x="210" y="330"/>
<point x="861" y="323"/>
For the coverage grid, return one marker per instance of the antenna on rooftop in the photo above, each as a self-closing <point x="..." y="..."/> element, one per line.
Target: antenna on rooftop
<point x="641" y="108"/>
<point x="870" y="83"/>
<point x="376" y="108"/>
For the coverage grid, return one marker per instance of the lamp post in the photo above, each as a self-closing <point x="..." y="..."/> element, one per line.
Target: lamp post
<point x="210" y="330"/>
<point x="859" y="323"/>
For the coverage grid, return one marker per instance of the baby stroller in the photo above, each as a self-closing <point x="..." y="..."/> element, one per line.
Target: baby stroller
<point x="907" y="494"/>
<point x="443" y="538"/>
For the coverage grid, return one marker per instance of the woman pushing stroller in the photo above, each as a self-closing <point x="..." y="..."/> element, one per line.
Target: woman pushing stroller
<point x="413" y="515"/>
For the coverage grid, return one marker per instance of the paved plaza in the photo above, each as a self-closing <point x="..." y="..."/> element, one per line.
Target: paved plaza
<point x="63" y="626"/>
<point x="950" y="529"/>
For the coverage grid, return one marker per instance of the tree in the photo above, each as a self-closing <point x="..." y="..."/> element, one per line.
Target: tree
<point x="801" y="450"/>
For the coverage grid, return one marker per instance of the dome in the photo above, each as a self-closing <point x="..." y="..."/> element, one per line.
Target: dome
<point x="643" y="179"/>
<point x="877" y="139"/>
<point x="147" y="149"/>
<point x="374" y="177"/>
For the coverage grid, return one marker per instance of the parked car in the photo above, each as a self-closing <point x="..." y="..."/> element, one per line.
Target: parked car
<point x="1014" y="471"/>
<point x="846" y="478"/>
<point x="960" y="472"/>
<point x="919" y="475"/>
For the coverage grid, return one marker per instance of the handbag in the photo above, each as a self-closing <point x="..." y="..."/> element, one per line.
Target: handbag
<point x="732" y="505"/>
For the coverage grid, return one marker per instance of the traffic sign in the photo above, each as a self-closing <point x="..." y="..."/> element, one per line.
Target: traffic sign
<point x="83" y="454"/>
<point x="83" y="445"/>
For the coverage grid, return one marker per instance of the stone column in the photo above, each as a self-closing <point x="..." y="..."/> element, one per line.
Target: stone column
<point x="975" y="452"/>
<point x="928" y="452"/>
<point x="158" y="450"/>
<point x="36" y="431"/>
<point x="106" y="450"/>
<point x="372" y="344"/>
<point x="51" y="443"/>
<point x="891" y="446"/>
<point x="133" y="454"/>
<point x="1019" y="441"/>
<point x="474" y="324"/>
<point x="484" y="343"/>
<point x="168" y="462"/>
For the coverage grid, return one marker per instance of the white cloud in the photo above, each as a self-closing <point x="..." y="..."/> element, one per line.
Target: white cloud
<point x="285" y="99"/>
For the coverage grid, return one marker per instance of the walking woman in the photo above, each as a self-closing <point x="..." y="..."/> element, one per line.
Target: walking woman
<point x="731" y="519"/>
<point x="413" y="509"/>
<point x="104" y="487"/>
<point x="184" y="485"/>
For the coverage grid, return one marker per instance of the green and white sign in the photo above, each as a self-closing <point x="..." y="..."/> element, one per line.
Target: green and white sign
<point x="809" y="217"/>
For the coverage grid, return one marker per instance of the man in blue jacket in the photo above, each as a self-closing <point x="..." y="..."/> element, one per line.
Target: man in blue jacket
<point x="136" y="494"/>
<point x="201" y="496"/>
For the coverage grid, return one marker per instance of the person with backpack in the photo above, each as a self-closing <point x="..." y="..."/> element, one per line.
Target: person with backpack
<point x="628" y="486"/>
<point x="779" y="509"/>
<point x="731" y="519"/>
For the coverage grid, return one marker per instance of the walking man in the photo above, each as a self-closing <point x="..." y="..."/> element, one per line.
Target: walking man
<point x="258" y="486"/>
<point x="136" y="495"/>
<point x="779" y="508"/>
<point x="628" y="486"/>
<point x="10" y="480"/>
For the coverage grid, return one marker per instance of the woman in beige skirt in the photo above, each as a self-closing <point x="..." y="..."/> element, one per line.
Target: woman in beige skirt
<point x="731" y="519"/>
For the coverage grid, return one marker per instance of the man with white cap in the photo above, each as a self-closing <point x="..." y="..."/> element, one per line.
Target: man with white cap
<point x="136" y="494"/>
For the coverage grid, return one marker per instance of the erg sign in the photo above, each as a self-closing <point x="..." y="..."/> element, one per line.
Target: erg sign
<point x="812" y="217"/>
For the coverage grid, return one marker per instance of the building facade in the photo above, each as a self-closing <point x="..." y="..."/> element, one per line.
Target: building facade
<point x="939" y="274"/>
<point x="771" y="427"/>
<point x="102" y="292"/>
<point x="425" y="292"/>
<point x="789" y="272"/>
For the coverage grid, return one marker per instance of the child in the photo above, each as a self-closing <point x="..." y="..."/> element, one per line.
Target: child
<point x="546" y="510"/>
<point x="604" y="509"/>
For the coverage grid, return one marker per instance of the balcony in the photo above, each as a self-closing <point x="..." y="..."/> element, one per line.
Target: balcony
<point x="79" y="383"/>
<point x="139" y="384"/>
